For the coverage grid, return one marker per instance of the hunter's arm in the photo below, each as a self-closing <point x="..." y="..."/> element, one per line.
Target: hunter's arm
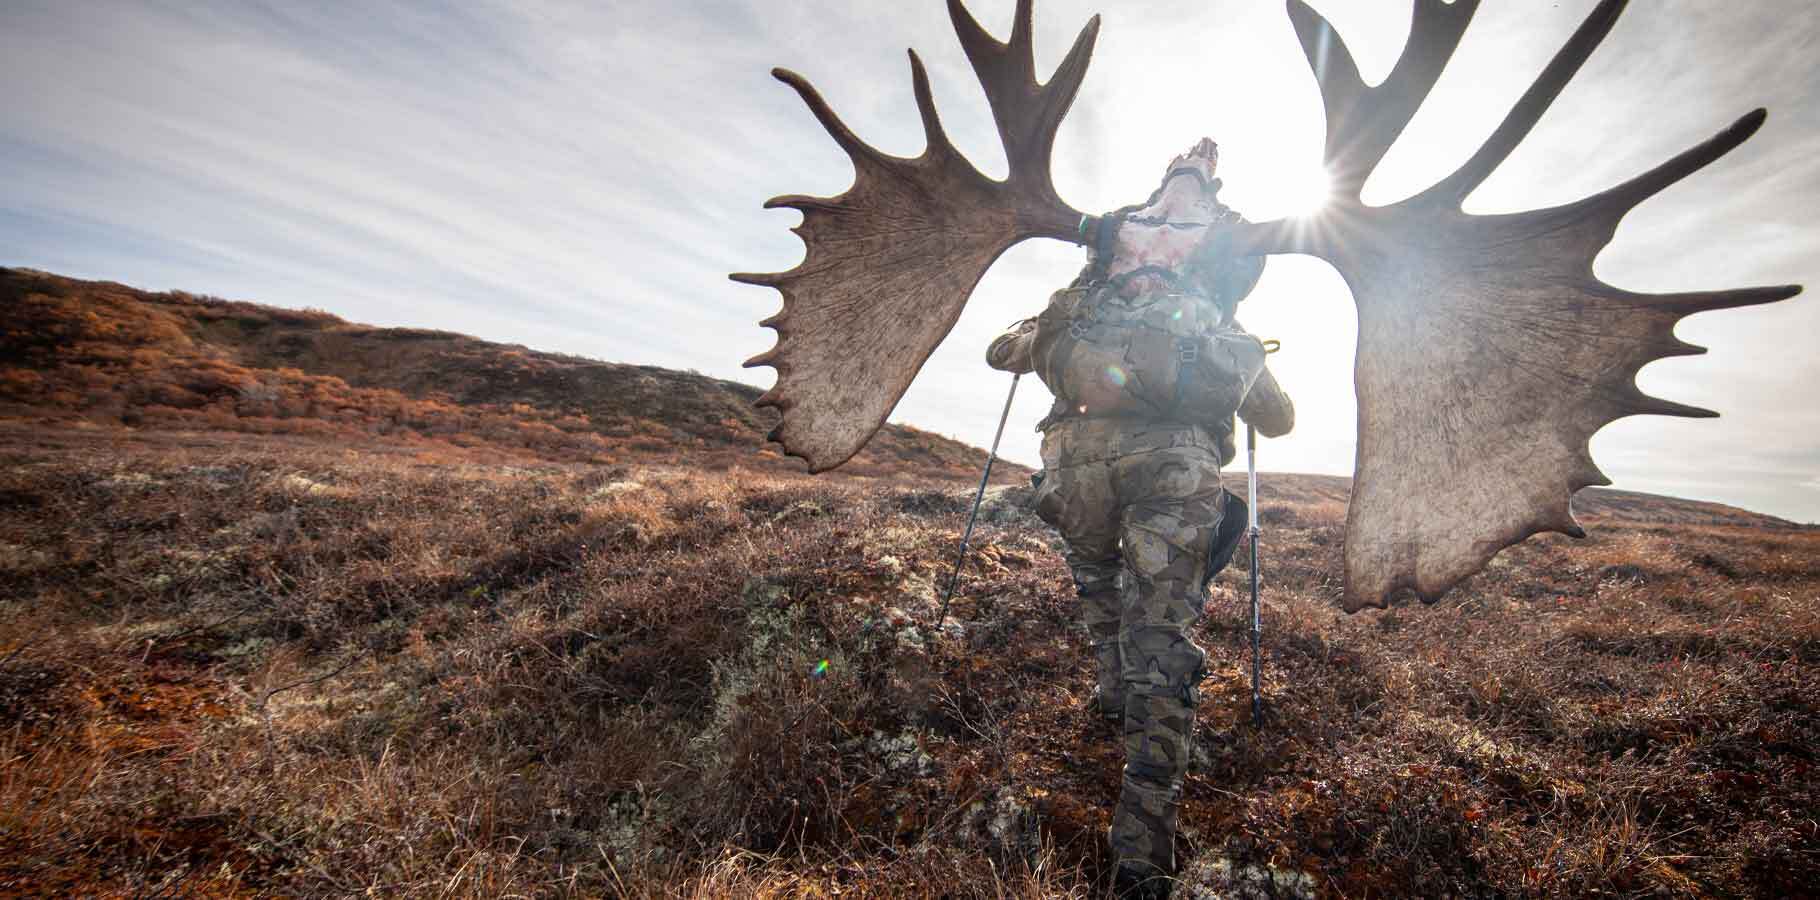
<point x="1010" y="351"/>
<point x="1267" y="406"/>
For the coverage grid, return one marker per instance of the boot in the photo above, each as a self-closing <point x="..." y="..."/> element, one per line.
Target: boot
<point x="1133" y="880"/>
<point x="1130" y="883"/>
<point x="1143" y="833"/>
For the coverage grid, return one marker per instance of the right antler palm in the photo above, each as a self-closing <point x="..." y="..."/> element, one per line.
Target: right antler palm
<point x="1488" y="351"/>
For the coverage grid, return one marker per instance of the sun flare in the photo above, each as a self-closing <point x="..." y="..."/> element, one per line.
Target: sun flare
<point x="1284" y="188"/>
<point x="1305" y="193"/>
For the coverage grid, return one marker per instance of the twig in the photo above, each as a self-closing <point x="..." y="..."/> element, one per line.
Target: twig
<point x="265" y="716"/>
<point x="153" y="641"/>
<point x="305" y="682"/>
<point x="24" y="644"/>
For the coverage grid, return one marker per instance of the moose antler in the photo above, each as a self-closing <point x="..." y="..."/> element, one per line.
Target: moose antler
<point x="890" y="263"/>
<point x="1488" y="351"/>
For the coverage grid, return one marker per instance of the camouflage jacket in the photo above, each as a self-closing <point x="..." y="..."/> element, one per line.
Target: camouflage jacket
<point x="1265" y="406"/>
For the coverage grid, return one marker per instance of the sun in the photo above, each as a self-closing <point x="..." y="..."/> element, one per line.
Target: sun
<point x="1305" y="193"/>
<point x="1290" y="189"/>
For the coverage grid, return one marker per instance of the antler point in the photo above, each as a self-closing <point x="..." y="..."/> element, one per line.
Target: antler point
<point x="1751" y="121"/>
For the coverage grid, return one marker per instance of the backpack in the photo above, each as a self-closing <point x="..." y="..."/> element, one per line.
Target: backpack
<point x="1161" y="355"/>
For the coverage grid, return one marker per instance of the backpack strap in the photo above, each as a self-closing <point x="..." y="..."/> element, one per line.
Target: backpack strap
<point x="1100" y="233"/>
<point x="1187" y="353"/>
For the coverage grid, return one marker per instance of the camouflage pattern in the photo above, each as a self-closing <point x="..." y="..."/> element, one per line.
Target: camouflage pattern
<point x="1159" y="354"/>
<point x="1148" y="368"/>
<point x="1268" y="408"/>
<point x="1138" y="504"/>
<point x="1010" y="352"/>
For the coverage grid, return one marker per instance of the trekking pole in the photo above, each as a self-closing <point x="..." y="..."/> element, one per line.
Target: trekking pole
<point x="1251" y="465"/>
<point x="1251" y="487"/>
<point x="978" y="496"/>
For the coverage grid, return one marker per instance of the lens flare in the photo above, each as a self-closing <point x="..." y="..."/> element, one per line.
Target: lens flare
<point x="1115" y="375"/>
<point x="1309" y="193"/>
<point x="821" y="668"/>
<point x="1289" y="188"/>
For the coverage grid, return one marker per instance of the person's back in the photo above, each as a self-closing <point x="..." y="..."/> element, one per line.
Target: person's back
<point x="1148" y="368"/>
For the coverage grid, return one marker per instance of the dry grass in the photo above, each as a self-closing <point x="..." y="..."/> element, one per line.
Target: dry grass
<point x="298" y="607"/>
<point x="235" y="667"/>
<point x="104" y="355"/>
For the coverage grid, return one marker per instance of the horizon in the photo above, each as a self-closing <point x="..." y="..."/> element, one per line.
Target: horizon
<point x="345" y="168"/>
<point x="1263" y="474"/>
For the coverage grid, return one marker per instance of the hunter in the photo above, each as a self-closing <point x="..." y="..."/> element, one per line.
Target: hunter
<point x="1148" y="368"/>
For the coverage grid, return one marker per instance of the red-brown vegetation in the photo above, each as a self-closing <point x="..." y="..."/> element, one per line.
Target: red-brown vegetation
<point x="107" y="354"/>
<point x="338" y="662"/>
<point x="252" y="665"/>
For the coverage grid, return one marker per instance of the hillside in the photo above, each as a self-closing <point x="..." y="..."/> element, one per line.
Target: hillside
<point x="294" y="607"/>
<point x="1590" y="504"/>
<point x="102" y="354"/>
<point x="106" y="354"/>
<point x="304" y="668"/>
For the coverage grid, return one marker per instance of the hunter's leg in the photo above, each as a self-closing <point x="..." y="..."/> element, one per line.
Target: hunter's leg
<point x="1167" y="534"/>
<point x="1077" y="498"/>
<point x="1097" y="581"/>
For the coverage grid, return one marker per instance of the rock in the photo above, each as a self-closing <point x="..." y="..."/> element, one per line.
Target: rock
<point x="902" y="754"/>
<point x="760" y="591"/>
<point x="298" y="485"/>
<point x="798" y="510"/>
<point x="1624" y="572"/>
<point x="890" y="565"/>
<point x="1007" y="503"/>
<point x="1219" y="878"/>
<point x="212" y="477"/>
<point x="1005" y="821"/>
<point x="126" y="481"/>
<point x="615" y="488"/>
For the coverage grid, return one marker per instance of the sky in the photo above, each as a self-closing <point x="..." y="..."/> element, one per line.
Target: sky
<point x="579" y="177"/>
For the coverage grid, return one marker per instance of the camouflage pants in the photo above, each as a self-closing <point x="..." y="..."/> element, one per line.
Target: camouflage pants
<point x="1138" y="504"/>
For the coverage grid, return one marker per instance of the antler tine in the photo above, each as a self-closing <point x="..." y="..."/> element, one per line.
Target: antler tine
<point x="825" y="114"/>
<point x="1622" y="199"/>
<point x="933" y="132"/>
<point x="1528" y="111"/>
<point x="986" y="52"/>
<point x="1027" y="113"/>
<point x="1641" y="404"/>
<point x="1362" y="122"/>
<point x="1601" y="212"/>
<point x="1707" y="301"/>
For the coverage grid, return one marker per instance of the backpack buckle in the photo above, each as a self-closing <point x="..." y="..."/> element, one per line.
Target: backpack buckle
<point x="1077" y="330"/>
<point x="1187" y="351"/>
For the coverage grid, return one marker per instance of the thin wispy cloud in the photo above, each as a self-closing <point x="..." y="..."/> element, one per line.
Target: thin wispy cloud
<point x="579" y="177"/>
